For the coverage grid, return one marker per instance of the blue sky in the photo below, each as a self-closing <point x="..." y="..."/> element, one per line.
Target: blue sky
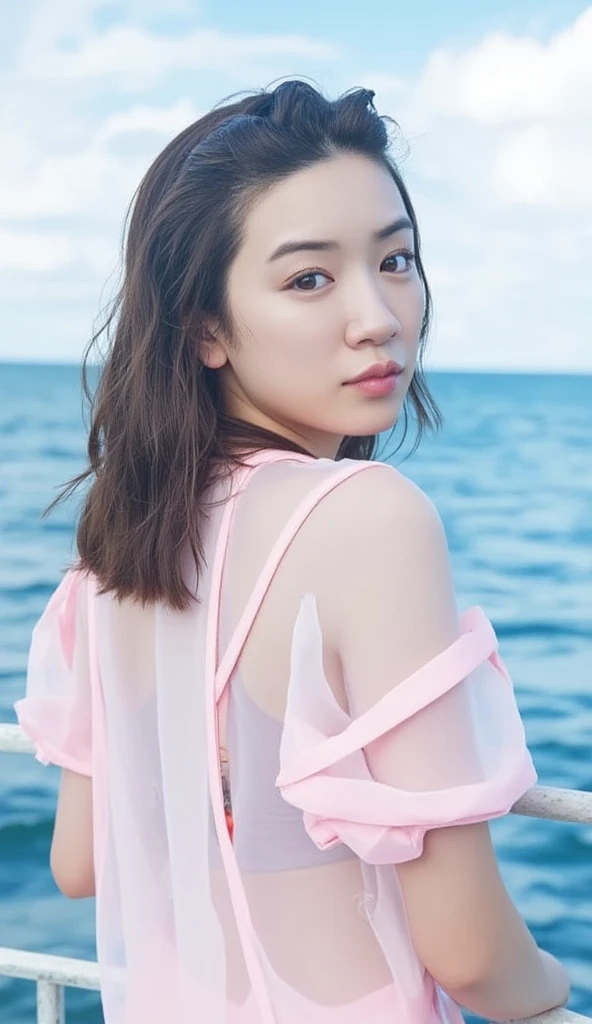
<point x="493" y="98"/>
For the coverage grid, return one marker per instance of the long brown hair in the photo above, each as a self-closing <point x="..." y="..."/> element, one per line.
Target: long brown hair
<point x="158" y="432"/>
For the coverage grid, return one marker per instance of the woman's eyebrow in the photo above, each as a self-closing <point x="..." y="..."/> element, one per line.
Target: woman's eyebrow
<point x="312" y="245"/>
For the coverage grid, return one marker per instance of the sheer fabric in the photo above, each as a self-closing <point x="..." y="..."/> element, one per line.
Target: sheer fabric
<point x="187" y="930"/>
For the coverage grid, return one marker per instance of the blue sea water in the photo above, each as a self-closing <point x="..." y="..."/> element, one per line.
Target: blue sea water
<point x="511" y="475"/>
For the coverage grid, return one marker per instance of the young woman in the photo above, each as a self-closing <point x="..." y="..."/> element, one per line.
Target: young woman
<point x="252" y="586"/>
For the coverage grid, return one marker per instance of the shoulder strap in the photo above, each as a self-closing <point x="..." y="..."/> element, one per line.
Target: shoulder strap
<point x="274" y="559"/>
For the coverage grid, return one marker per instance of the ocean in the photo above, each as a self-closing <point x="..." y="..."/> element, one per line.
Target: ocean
<point x="511" y="474"/>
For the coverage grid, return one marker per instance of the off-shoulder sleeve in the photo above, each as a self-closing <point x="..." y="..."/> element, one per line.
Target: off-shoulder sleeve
<point x="56" y="711"/>
<point x="460" y="754"/>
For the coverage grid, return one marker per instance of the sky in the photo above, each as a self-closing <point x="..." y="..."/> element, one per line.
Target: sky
<point x="494" y="104"/>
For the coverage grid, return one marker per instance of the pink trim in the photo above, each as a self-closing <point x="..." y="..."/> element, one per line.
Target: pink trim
<point x="421" y="688"/>
<point x="374" y="801"/>
<point x="235" y="886"/>
<point x="45" y="752"/>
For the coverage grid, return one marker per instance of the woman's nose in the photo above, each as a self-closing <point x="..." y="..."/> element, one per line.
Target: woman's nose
<point x="372" y="321"/>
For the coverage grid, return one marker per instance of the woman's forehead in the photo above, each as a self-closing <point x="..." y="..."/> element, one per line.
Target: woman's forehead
<point x="345" y="196"/>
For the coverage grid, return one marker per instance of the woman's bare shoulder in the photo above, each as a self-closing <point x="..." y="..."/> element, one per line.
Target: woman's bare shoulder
<point x="376" y="498"/>
<point x="370" y="510"/>
<point x="376" y="530"/>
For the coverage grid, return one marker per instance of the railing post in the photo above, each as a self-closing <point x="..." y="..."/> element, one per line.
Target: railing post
<point x="50" y="1003"/>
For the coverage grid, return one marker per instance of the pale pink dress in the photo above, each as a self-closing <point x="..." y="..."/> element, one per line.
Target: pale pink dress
<point x="302" y="920"/>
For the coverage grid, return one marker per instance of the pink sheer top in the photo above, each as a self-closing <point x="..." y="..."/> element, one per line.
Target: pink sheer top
<point x="301" y="918"/>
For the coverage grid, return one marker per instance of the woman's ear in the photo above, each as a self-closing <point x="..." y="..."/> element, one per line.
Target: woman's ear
<point x="212" y="353"/>
<point x="210" y="348"/>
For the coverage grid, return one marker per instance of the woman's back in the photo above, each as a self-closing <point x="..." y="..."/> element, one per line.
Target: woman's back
<point x="314" y="898"/>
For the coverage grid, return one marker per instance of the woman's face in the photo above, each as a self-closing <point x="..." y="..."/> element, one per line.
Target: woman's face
<point x="323" y="287"/>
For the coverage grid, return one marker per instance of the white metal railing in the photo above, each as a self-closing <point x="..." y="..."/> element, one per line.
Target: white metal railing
<point x="54" y="973"/>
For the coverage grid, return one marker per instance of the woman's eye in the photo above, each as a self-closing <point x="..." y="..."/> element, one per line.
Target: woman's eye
<point x="406" y="255"/>
<point x="306" y="282"/>
<point x="309" y="282"/>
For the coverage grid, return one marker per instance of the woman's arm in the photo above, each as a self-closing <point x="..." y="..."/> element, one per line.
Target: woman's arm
<point x="392" y="609"/>
<point x="71" y="859"/>
<point x="468" y="933"/>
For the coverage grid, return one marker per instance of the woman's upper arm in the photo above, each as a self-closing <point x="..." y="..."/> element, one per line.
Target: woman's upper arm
<point x="385" y="586"/>
<point x="397" y="615"/>
<point x="396" y="584"/>
<point x="72" y="862"/>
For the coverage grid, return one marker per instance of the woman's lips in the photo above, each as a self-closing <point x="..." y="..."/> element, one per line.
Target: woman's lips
<point x="376" y="387"/>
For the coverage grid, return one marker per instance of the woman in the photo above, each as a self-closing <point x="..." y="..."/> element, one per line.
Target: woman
<point x="251" y="584"/>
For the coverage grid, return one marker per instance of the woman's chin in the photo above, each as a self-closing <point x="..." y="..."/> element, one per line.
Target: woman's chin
<point x="374" y="421"/>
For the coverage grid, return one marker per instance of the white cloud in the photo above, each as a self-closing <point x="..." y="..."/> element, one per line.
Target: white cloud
<point x="34" y="251"/>
<point x="142" y="118"/>
<point x="64" y="185"/>
<point x="97" y="180"/>
<point x="140" y="58"/>
<point x="547" y="165"/>
<point x="507" y="79"/>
